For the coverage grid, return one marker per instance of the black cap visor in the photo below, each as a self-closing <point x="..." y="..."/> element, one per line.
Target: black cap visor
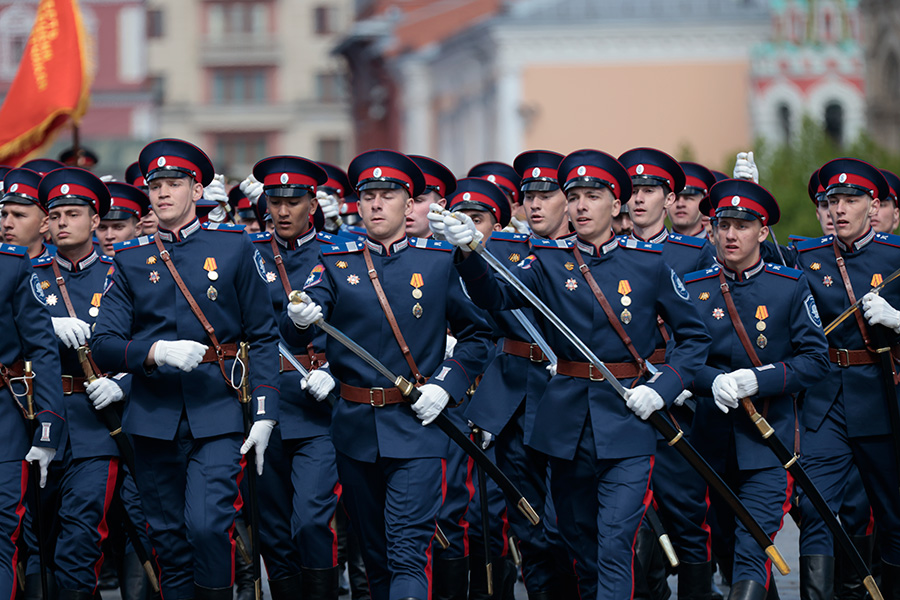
<point x="288" y="191"/>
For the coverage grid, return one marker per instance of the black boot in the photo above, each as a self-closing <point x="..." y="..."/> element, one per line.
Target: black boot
<point x="773" y="590"/>
<point x="135" y="585"/>
<point x="243" y="579"/>
<point x="747" y="590"/>
<point x="650" y="572"/>
<point x="816" y="577"/>
<point x="356" y="568"/>
<point x="890" y="581"/>
<point x="320" y="584"/>
<point x="695" y="581"/>
<point x="478" y="588"/>
<point x="74" y="595"/>
<point x="205" y="593"/>
<point x="285" y="588"/>
<point x="848" y="585"/>
<point x="451" y="578"/>
<point x="540" y="596"/>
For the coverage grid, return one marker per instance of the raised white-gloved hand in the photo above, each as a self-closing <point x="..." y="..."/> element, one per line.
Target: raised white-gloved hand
<point x="181" y="354"/>
<point x="644" y="401"/>
<point x="103" y="391"/>
<point x="449" y="345"/>
<point x="551" y="368"/>
<point x="107" y="178"/>
<point x="460" y="230"/>
<point x="684" y="395"/>
<point x="878" y="311"/>
<point x="317" y="383"/>
<point x="259" y="439"/>
<point x="329" y="205"/>
<point x="305" y="313"/>
<point x="73" y="332"/>
<point x="519" y="226"/>
<point x="725" y="392"/>
<point x="252" y="188"/>
<point x="43" y="456"/>
<point x="747" y="385"/>
<point x="430" y="403"/>
<point x="435" y="218"/>
<point x="745" y="167"/>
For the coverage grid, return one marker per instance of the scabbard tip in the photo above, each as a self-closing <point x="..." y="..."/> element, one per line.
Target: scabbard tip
<point x="669" y="550"/>
<point x="525" y="509"/>
<point x="778" y="560"/>
<point x="872" y="588"/>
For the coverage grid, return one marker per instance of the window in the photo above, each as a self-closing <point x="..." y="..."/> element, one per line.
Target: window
<point x="239" y="149"/>
<point x="331" y="150"/>
<point x="325" y="19"/>
<point x="155" y="24"/>
<point x="330" y="87"/>
<point x="784" y="122"/>
<point x="834" y="122"/>
<point x="15" y="27"/>
<point x="239" y="86"/>
<point x="157" y="85"/>
<point x="230" y="18"/>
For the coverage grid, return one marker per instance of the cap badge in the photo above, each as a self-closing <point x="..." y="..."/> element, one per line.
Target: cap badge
<point x="467" y="196"/>
<point x="639" y="169"/>
<point x="161" y="161"/>
<point x="735" y="200"/>
<point x="491" y="178"/>
<point x="842" y="178"/>
<point x="536" y="172"/>
<point x="64" y="188"/>
<point x="581" y="170"/>
<point x="14" y="187"/>
<point x="284" y="178"/>
<point x="377" y="172"/>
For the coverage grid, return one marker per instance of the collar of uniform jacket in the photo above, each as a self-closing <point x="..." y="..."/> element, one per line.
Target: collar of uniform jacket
<point x="746" y="274"/>
<point x="659" y="238"/>
<point x="182" y="234"/>
<point x="80" y="265"/>
<point x="378" y="248"/>
<point x="300" y="241"/>
<point x="859" y="242"/>
<point x="605" y="248"/>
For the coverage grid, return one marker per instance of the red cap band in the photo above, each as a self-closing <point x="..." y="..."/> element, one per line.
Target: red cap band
<point x="333" y="184"/>
<point x="386" y="173"/>
<point x="695" y="182"/>
<point x="540" y="173"/>
<point x="175" y="161"/>
<point x="595" y="173"/>
<point x="480" y="199"/>
<point x="648" y="170"/>
<point x="23" y="190"/>
<point x="71" y="189"/>
<point x="127" y="205"/>
<point x="742" y="202"/>
<point x="504" y="183"/>
<point x="277" y="179"/>
<point x="855" y="180"/>
<point x="432" y="181"/>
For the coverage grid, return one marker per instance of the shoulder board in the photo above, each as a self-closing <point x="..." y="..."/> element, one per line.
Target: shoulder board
<point x="263" y="236"/>
<point x="509" y="236"/>
<point x="888" y="239"/>
<point x="332" y="238"/>
<point x="106" y="259"/>
<point x="633" y="244"/>
<point x="429" y="244"/>
<point x="798" y="238"/>
<point x="344" y="247"/>
<point x="687" y="240"/>
<point x="558" y="244"/>
<point x="783" y="271"/>
<point x="13" y="250"/>
<point x="813" y="243"/>
<point x="42" y="262"/>
<point x="699" y="275"/>
<point x="135" y="243"/>
<point x="230" y="227"/>
<point x="354" y="230"/>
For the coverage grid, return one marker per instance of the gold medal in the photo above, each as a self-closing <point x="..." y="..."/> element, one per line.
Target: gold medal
<point x="626" y="316"/>
<point x="514" y="257"/>
<point x="625" y="300"/>
<point x="569" y="266"/>
<point x="761" y="326"/>
<point x="704" y="295"/>
<point x="876" y="280"/>
<point x="151" y="260"/>
<point x="45" y="284"/>
<point x="417" y="311"/>
<point x="213" y="275"/>
<point x="212" y="294"/>
<point x="417" y="293"/>
<point x="341" y="264"/>
<point x="417" y="282"/>
<point x="815" y="266"/>
<point x="762" y="313"/>
<point x="761" y="341"/>
<point x="94" y="311"/>
<point x="210" y="266"/>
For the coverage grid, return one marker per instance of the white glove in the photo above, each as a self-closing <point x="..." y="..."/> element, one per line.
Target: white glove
<point x="329" y="205"/>
<point x="103" y="392"/>
<point x="747" y="385"/>
<point x="252" y="188"/>
<point x="259" y="439"/>
<point x="215" y="191"/>
<point x="107" y="178"/>
<point x="43" y="456"/>
<point x="460" y="230"/>
<point x="72" y="331"/>
<point x="317" y="383"/>
<point x="551" y="368"/>
<point x="305" y="313"/>
<point x="644" y="401"/>
<point x="436" y="219"/>
<point x="725" y="392"/>
<point x="449" y="345"/>
<point x="519" y="226"/>
<point x="181" y="354"/>
<point x="679" y="400"/>
<point x="430" y="403"/>
<point x="745" y="167"/>
<point x="878" y="312"/>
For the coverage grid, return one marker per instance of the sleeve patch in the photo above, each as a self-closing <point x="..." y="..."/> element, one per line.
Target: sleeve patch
<point x="36" y="289"/>
<point x="443" y="374"/>
<point x="260" y="265"/>
<point x="315" y="276"/>
<point x="526" y="264"/>
<point x="678" y="286"/>
<point x="812" y="311"/>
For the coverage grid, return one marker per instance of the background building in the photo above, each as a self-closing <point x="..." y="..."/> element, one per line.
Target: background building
<point x="881" y="38"/>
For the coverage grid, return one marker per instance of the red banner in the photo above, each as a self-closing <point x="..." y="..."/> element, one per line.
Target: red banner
<point x="51" y="86"/>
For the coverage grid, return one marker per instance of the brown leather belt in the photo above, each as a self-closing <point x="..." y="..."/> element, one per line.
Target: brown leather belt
<point x="524" y="350"/>
<point x="377" y="397"/>
<point x="229" y="350"/>
<point x="303" y="359"/>
<point x="17" y="369"/>
<point x="626" y="370"/>
<point x="848" y="358"/>
<point x="73" y="385"/>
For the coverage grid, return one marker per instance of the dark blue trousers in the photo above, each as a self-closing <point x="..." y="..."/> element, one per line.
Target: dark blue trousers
<point x="393" y="505"/>
<point x="190" y="492"/>
<point x="459" y="489"/>
<point x="498" y="519"/>
<point x="14" y="475"/>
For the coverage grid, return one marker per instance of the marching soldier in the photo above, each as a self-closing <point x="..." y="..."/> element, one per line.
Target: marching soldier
<point x="27" y="334"/>
<point x="684" y="212"/>
<point x="845" y="417"/>
<point x="543" y="201"/>
<point x="134" y="177"/>
<point x="123" y="221"/>
<point x="173" y="312"/>
<point x="22" y="216"/>
<point x="887" y="218"/>
<point x="300" y="488"/>
<point x="787" y="355"/>
<point x="439" y="183"/>
<point x="509" y="181"/>
<point x="601" y="455"/>
<point x="391" y="466"/>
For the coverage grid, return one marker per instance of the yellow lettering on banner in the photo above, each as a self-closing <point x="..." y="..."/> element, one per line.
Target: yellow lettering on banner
<point x="45" y="32"/>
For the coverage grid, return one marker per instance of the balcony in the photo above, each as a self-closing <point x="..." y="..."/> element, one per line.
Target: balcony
<point x="240" y="50"/>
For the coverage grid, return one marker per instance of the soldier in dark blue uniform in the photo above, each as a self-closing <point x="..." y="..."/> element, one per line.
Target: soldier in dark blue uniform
<point x="300" y="488"/>
<point x="773" y="304"/>
<point x="507" y="179"/>
<point x="23" y="219"/>
<point x="391" y="466"/>
<point x="83" y="479"/>
<point x="844" y="417"/>
<point x="133" y="176"/>
<point x="684" y="212"/>
<point x="887" y="218"/>
<point x="439" y="183"/>
<point x="601" y="454"/>
<point x="129" y="204"/>
<point x="183" y="411"/>
<point x="27" y="334"/>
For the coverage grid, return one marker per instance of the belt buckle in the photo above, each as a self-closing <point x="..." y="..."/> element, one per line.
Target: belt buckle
<point x="843" y="355"/>
<point x="71" y="385"/>
<point x="591" y="373"/>
<point x="372" y="397"/>
<point x="531" y="349"/>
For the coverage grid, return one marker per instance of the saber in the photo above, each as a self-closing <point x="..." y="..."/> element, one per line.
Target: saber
<point x="673" y="435"/>
<point x="883" y="348"/>
<point x="535" y="335"/>
<point x="789" y="461"/>
<point x="442" y="421"/>
<point x="664" y="542"/>
<point x="855" y="306"/>
<point x="113" y="423"/>
<point x="35" y="476"/>
<point x="253" y="499"/>
<point x="777" y="246"/>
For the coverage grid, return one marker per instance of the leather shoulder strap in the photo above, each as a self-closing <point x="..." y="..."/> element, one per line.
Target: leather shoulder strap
<point x="849" y="288"/>
<point x="61" y="283"/>
<point x="737" y="323"/>
<point x="389" y="314"/>
<point x="610" y="315"/>
<point x="279" y="264"/>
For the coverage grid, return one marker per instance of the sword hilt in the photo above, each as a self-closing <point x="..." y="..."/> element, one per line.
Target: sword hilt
<point x="474" y="244"/>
